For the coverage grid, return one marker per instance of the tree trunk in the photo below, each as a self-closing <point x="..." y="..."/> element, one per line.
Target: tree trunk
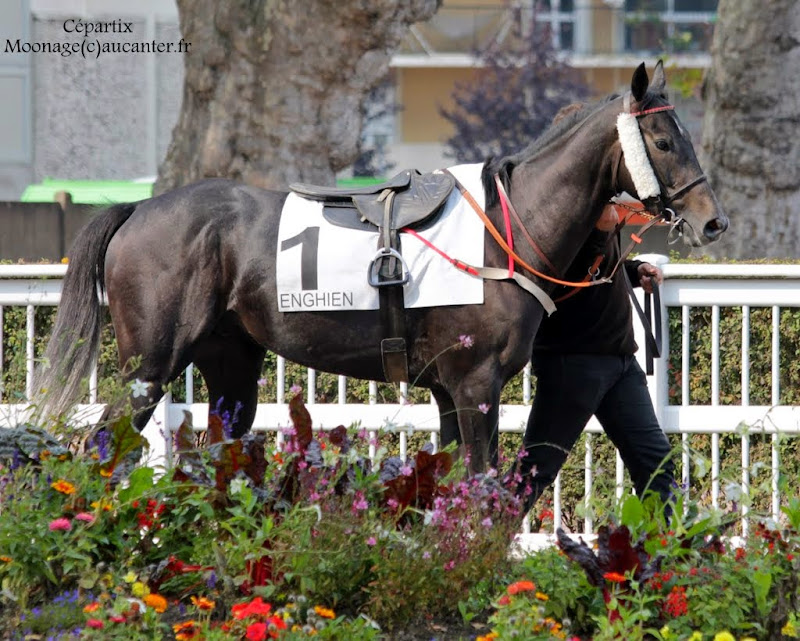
<point x="274" y="89"/>
<point x="752" y="126"/>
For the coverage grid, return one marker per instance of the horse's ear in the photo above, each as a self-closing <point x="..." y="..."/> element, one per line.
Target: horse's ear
<point x="659" y="79"/>
<point x="639" y="83"/>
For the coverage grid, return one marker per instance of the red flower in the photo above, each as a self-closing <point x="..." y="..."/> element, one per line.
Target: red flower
<point x="504" y="600"/>
<point x="615" y="577"/>
<point x="275" y="623"/>
<point x="256" y="607"/>
<point x="97" y="624"/>
<point x="740" y="554"/>
<point x="256" y="632"/>
<point x="521" y="586"/>
<point x="676" y="604"/>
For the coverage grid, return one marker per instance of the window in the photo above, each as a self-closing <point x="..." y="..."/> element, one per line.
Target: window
<point x="669" y="26"/>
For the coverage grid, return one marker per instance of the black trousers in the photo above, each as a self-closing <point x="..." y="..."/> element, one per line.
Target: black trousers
<point x="570" y="389"/>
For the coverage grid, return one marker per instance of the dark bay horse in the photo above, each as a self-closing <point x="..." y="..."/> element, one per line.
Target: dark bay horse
<point x="190" y="277"/>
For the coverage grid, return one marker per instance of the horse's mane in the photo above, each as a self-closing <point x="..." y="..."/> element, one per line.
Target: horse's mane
<point x="565" y="120"/>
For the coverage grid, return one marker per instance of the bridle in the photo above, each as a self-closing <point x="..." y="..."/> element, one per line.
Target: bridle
<point x="660" y="202"/>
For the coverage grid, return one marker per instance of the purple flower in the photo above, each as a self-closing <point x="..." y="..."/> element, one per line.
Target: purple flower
<point x="406" y="470"/>
<point x="261" y="382"/>
<point x="487" y="522"/>
<point x="211" y="581"/>
<point x="465" y="341"/>
<point x="371" y="541"/>
<point x="295" y="389"/>
<point x="484" y="408"/>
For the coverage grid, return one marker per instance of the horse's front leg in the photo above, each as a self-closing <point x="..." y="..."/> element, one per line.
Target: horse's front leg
<point x="476" y="396"/>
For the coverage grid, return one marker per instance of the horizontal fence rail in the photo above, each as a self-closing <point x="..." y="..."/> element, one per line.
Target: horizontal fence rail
<point x="689" y="387"/>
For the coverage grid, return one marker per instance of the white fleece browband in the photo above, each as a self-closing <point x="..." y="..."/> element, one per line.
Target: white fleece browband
<point x="636" y="160"/>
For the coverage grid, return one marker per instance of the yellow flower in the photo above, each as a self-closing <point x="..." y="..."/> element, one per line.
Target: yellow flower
<point x="65" y="261"/>
<point x="542" y="596"/>
<point x="325" y="613"/>
<point x="789" y="630"/>
<point x="65" y="487"/>
<point x="156" y="601"/>
<point x="106" y="473"/>
<point x="724" y="636"/>
<point x="665" y="632"/>
<point x="130" y="577"/>
<point x="139" y="589"/>
<point x="696" y="636"/>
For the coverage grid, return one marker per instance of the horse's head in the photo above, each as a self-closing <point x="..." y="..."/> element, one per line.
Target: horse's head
<point x="659" y="164"/>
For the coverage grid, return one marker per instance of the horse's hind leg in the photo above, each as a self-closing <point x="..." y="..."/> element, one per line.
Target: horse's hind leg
<point x="230" y="361"/>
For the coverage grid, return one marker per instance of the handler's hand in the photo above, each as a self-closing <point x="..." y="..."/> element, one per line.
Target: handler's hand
<point x="646" y="270"/>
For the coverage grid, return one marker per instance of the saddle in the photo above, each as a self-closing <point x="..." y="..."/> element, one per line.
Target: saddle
<point x="416" y="200"/>
<point x="409" y="199"/>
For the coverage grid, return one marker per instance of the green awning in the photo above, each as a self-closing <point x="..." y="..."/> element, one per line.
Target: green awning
<point x="108" y="192"/>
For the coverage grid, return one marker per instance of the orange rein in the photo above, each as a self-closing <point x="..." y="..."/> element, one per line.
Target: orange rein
<point x="511" y="253"/>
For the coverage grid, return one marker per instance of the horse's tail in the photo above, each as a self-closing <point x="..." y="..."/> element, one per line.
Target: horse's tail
<point x="76" y="332"/>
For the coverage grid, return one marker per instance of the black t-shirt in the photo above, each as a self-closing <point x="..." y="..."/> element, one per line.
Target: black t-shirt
<point x="596" y="320"/>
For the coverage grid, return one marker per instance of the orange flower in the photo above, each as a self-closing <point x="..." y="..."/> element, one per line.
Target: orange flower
<point x="325" y="613"/>
<point x="5" y="559"/>
<point x="185" y="631"/>
<point x="521" y="586"/>
<point x="106" y="473"/>
<point x="65" y="487"/>
<point x="156" y="601"/>
<point x="92" y="607"/>
<point x="202" y="603"/>
<point x="615" y="577"/>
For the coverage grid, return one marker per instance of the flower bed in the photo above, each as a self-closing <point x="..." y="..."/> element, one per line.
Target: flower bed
<point x="239" y="541"/>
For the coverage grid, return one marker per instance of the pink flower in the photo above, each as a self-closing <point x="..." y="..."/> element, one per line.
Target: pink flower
<point x="466" y="341"/>
<point x="406" y="470"/>
<point x="371" y="541"/>
<point x="360" y="504"/>
<point x="484" y="408"/>
<point x="295" y="389"/>
<point x="60" y="524"/>
<point x="85" y="517"/>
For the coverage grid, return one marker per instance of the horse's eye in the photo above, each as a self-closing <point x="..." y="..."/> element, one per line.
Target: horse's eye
<point x="663" y="145"/>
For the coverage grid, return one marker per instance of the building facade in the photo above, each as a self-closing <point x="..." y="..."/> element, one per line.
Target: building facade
<point x="66" y="115"/>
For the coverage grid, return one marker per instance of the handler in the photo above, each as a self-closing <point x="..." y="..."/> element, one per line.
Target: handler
<point x="583" y="358"/>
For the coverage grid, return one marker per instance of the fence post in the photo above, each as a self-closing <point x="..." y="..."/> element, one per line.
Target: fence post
<point x="658" y="383"/>
<point x="157" y="432"/>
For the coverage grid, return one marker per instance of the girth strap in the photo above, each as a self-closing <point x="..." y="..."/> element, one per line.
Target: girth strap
<point x="394" y="354"/>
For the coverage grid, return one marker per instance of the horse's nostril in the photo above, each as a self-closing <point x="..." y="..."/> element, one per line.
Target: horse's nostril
<point x="715" y="227"/>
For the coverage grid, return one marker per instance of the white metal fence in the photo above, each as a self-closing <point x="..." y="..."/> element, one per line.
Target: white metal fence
<point x="715" y="288"/>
